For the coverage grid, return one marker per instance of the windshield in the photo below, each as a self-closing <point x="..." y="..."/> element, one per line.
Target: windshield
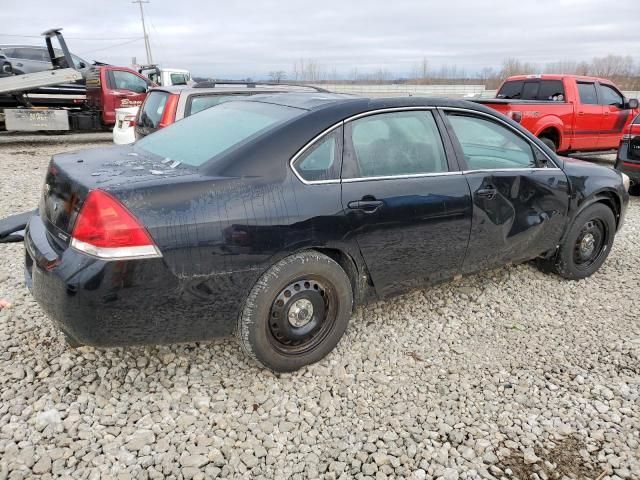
<point x="200" y="137"/>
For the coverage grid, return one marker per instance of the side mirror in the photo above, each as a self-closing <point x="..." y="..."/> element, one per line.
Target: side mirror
<point x="632" y="103"/>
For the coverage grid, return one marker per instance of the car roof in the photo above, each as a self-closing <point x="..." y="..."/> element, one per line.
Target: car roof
<point x="233" y="88"/>
<point x="316" y="101"/>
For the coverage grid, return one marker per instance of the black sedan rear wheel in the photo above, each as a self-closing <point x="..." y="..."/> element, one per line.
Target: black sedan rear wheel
<point x="586" y="246"/>
<point x="297" y="312"/>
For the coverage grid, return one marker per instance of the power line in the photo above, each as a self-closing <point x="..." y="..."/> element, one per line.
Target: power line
<point x="112" y="46"/>
<point x="73" y="38"/>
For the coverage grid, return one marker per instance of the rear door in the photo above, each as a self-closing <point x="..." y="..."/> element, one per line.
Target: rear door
<point x="408" y="207"/>
<point x="520" y="197"/>
<point x="614" y="116"/>
<point x="588" y="117"/>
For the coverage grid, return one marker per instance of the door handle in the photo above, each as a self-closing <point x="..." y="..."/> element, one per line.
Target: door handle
<point x="488" y="192"/>
<point x="368" y="206"/>
<point x="581" y="114"/>
<point x="19" y="64"/>
<point x="606" y="114"/>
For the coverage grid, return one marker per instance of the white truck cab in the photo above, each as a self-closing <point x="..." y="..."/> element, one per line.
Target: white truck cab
<point x="165" y="77"/>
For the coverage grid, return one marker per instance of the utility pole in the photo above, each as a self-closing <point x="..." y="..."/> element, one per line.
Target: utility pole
<point x="147" y="45"/>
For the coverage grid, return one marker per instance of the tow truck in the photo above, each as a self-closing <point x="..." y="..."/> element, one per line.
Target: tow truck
<point x="52" y="100"/>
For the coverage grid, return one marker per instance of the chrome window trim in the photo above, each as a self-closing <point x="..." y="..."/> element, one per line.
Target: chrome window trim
<point x="307" y="147"/>
<point x="341" y="124"/>
<point x="395" y="177"/>
<point x="524" y="169"/>
<point x="510" y="127"/>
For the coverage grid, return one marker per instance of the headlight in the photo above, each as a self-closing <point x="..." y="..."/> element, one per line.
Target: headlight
<point x="625" y="181"/>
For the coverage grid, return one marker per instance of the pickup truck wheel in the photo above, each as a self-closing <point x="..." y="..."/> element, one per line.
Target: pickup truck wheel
<point x="296" y="313"/>
<point x="634" y="190"/>
<point x="586" y="246"/>
<point x="549" y="143"/>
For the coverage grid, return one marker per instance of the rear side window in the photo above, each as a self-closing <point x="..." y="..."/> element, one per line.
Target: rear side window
<point x="511" y="89"/>
<point x="587" y="92"/>
<point x="153" y="109"/>
<point x="321" y="160"/>
<point x="394" y="144"/>
<point x="611" y="97"/>
<point x="179" y="79"/>
<point x="199" y="138"/>
<point x="202" y="102"/>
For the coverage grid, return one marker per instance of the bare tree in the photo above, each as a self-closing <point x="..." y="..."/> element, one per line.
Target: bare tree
<point x="277" y="76"/>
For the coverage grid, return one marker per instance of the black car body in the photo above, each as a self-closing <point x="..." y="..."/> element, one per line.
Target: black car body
<point x="628" y="159"/>
<point x="301" y="184"/>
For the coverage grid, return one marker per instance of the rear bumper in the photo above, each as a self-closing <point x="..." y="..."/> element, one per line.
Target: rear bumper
<point x="627" y="163"/>
<point x="117" y="303"/>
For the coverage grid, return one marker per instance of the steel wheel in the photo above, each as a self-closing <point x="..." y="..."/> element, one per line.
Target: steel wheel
<point x="301" y="315"/>
<point x="590" y="244"/>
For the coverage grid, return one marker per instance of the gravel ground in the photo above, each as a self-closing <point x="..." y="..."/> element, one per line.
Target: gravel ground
<point x="506" y="374"/>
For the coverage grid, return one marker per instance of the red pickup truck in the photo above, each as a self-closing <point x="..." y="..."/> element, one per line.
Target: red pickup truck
<point x="569" y="113"/>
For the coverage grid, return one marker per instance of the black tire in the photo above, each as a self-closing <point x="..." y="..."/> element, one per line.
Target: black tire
<point x="296" y="313"/>
<point x="549" y="143"/>
<point x="586" y="245"/>
<point x="634" y="190"/>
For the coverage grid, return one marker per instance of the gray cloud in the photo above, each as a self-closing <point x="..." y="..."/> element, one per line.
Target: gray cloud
<point x="250" y="38"/>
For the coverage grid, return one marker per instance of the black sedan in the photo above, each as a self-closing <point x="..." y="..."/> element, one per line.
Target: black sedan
<point x="274" y="216"/>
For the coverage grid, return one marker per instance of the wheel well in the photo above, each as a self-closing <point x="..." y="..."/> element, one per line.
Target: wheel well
<point x="358" y="276"/>
<point x="552" y="134"/>
<point x="612" y="201"/>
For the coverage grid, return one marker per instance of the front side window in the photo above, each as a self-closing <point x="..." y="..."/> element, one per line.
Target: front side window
<point x="128" y="81"/>
<point x="199" y="138"/>
<point x="197" y="103"/>
<point x="488" y="145"/>
<point x="392" y="144"/>
<point x="611" y="97"/>
<point x="587" y="92"/>
<point x="321" y="160"/>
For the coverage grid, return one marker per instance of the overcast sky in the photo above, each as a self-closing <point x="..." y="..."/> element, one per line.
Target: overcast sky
<point x="240" y="38"/>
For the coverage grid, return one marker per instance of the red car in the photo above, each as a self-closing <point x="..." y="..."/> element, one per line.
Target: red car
<point x="568" y="113"/>
<point x="628" y="160"/>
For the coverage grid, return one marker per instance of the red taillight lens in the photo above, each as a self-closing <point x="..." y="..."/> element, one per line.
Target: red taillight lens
<point x="169" y="113"/>
<point x="106" y="229"/>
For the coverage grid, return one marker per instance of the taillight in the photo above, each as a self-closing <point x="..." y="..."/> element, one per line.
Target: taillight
<point x="131" y="119"/>
<point x="515" y="116"/>
<point x="105" y="229"/>
<point x="169" y="113"/>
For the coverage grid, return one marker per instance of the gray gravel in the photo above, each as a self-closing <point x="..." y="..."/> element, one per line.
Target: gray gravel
<point x="506" y="374"/>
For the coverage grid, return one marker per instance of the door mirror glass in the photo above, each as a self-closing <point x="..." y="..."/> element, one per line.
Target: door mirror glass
<point x="632" y="103"/>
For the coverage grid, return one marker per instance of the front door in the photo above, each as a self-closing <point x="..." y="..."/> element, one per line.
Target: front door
<point x="615" y="117"/>
<point x="408" y="208"/>
<point x="588" y="118"/>
<point x="127" y="89"/>
<point x="520" y="198"/>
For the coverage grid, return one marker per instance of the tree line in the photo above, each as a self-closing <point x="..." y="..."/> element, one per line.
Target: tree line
<point x="618" y="68"/>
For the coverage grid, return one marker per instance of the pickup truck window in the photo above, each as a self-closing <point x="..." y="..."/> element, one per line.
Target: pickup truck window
<point x="611" y="96"/>
<point x="488" y="145"/>
<point x="128" y="81"/>
<point x="540" y="90"/>
<point x="587" y="92"/>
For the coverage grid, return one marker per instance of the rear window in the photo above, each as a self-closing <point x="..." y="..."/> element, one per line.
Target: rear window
<point x="511" y="89"/>
<point x="153" y="109"/>
<point x="538" y="90"/>
<point x="202" y="102"/>
<point x="199" y="138"/>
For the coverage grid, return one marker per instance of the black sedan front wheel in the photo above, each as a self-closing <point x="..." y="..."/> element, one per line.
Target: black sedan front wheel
<point x="297" y="312"/>
<point x="586" y="246"/>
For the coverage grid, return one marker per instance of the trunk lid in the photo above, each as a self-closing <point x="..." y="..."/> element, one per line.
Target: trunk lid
<point x="118" y="170"/>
